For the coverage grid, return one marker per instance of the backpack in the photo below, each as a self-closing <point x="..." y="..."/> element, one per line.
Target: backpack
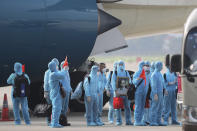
<point x="111" y="75"/>
<point x="132" y="90"/>
<point x="21" y="86"/>
<point x="164" y="76"/>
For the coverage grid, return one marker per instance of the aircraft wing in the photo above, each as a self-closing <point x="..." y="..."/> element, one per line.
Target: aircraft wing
<point x="148" y="17"/>
<point x="142" y="18"/>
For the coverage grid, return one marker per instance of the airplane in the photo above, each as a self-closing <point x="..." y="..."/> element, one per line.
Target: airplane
<point x="35" y="31"/>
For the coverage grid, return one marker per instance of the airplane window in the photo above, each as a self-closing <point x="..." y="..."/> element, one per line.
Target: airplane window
<point x="190" y="61"/>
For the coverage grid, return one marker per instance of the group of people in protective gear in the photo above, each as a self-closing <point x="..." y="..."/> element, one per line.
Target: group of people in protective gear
<point x="162" y="96"/>
<point x="155" y="96"/>
<point x="146" y="80"/>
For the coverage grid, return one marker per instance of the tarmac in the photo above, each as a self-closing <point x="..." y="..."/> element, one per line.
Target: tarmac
<point x="78" y="123"/>
<point x="77" y="120"/>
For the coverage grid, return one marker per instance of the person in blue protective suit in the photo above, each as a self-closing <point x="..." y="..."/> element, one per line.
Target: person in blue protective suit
<point x="121" y="73"/>
<point x="110" y="93"/>
<point x="152" y="68"/>
<point x="47" y="89"/>
<point x="67" y="88"/>
<point x="157" y="84"/>
<point x="170" y="97"/>
<point x="102" y="82"/>
<point x="139" y="80"/>
<point x="146" y="116"/>
<point x="19" y="100"/>
<point x="91" y="97"/>
<point x="55" y="78"/>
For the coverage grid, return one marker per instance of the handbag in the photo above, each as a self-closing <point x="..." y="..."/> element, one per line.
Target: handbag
<point x="43" y="109"/>
<point x="132" y="89"/>
<point x="131" y="92"/>
<point x="118" y="103"/>
<point x="147" y="104"/>
<point x="62" y="92"/>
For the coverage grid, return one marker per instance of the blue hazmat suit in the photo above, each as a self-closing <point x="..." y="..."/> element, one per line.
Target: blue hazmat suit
<point x="47" y="89"/>
<point x="55" y="78"/>
<point x="91" y="97"/>
<point x="170" y="97"/>
<point x="140" y="96"/>
<point x="46" y="93"/>
<point x="152" y="68"/>
<point x="157" y="84"/>
<point x="67" y="88"/>
<point x="122" y="73"/>
<point x="146" y="117"/>
<point x="46" y="81"/>
<point x="56" y="62"/>
<point x="102" y="82"/>
<point x="109" y="88"/>
<point x="19" y="100"/>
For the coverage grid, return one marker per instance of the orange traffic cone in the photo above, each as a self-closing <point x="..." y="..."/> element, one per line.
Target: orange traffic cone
<point x="5" y="110"/>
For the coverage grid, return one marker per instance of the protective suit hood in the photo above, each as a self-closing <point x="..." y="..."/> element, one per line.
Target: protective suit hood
<point x="56" y="61"/>
<point x="115" y="66"/>
<point x="52" y="66"/>
<point x="139" y="72"/>
<point x="152" y="67"/>
<point x="18" y="68"/>
<point x="119" y="68"/>
<point x="94" y="71"/>
<point x="147" y="67"/>
<point x="141" y="64"/>
<point x="158" y="66"/>
<point x="147" y="63"/>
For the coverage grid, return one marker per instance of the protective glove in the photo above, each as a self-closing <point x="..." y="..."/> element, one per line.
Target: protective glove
<point x="46" y="94"/>
<point x="89" y="98"/>
<point x="108" y="93"/>
<point x="156" y="97"/>
<point x="166" y="92"/>
<point x="117" y="94"/>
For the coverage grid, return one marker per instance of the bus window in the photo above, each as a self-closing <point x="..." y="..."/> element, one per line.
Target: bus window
<point x="190" y="56"/>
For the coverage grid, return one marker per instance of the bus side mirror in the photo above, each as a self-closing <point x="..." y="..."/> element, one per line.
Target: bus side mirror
<point x="175" y="63"/>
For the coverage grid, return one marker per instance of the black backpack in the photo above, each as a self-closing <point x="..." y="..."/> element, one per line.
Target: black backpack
<point x="21" y="86"/>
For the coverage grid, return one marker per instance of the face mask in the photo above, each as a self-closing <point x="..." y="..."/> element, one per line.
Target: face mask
<point x="97" y="73"/>
<point x="121" y="67"/>
<point x="105" y="70"/>
<point x="148" y="68"/>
